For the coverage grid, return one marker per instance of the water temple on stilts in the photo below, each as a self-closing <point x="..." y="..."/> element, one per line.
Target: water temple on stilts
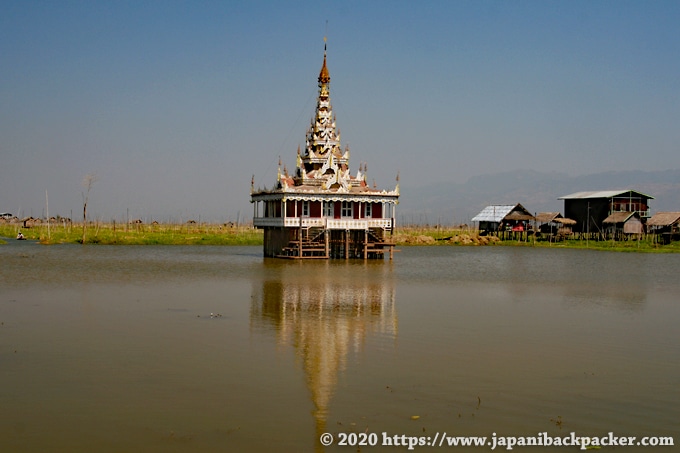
<point x="321" y="210"/>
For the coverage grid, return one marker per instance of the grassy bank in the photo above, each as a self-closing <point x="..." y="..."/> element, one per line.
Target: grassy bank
<point x="211" y="234"/>
<point x="470" y="237"/>
<point x="139" y="234"/>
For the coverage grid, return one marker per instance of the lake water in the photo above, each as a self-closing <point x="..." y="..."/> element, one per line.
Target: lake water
<point x="114" y="349"/>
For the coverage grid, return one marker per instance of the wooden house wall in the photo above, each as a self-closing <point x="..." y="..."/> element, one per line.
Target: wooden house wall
<point x="488" y="226"/>
<point x="578" y="209"/>
<point x="629" y="204"/>
<point x="632" y="226"/>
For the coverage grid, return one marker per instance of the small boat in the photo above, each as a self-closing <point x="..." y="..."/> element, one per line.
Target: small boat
<point x="21" y="237"/>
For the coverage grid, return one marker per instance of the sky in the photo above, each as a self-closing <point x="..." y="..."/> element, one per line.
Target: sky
<point x="176" y="105"/>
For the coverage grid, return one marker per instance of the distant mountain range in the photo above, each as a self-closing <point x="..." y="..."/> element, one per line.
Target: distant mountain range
<point x="452" y="203"/>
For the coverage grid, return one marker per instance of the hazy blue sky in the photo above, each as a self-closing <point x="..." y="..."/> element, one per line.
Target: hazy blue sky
<point x="174" y="105"/>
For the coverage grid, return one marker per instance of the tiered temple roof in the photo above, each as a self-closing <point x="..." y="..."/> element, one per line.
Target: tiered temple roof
<point x="322" y="165"/>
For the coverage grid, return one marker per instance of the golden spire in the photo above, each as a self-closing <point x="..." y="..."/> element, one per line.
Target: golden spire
<point x="324" y="76"/>
<point x="278" y="173"/>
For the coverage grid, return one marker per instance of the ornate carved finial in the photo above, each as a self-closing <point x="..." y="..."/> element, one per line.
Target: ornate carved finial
<point x="324" y="76"/>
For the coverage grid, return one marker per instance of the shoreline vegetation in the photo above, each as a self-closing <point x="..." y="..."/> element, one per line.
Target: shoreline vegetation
<point x="216" y="234"/>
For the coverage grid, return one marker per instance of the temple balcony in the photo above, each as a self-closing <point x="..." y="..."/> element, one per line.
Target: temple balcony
<point x="323" y="222"/>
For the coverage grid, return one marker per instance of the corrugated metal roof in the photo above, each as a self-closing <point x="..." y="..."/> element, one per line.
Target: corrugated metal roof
<point x="493" y="213"/>
<point x="601" y="194"/>
<point x="664" y="219"/>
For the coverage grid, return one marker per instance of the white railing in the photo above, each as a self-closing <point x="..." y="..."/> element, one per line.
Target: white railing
<point x="306" y="222"/>
<point x="322" y="222"/>
<point x="645" y="214"/>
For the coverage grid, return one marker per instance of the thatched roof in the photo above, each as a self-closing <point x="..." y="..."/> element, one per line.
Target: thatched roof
<point x="664" y="219"/>
<point x="517" y="215"/>
<point x="547" y="217"/>
<point x="619" y="217"/>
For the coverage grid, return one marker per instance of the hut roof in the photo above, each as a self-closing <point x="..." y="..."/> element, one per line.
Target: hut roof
<point x="619" y="217"/>
<point x="602" y="194"/>
<point x="493" y="213"/>
<point x="547" y="217"/>
<point x="664" y="219"/>
<point x="498" y="213"/>
<point x="518" y="215"/>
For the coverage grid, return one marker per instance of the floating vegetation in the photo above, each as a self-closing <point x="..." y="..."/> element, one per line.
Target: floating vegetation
<point x="557" y="421"/>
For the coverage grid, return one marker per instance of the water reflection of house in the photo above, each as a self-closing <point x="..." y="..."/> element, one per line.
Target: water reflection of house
<point x="504" y="220"/>
<point x="321" y="210"/>
<point x="325" y="319"/>
<point x="665" y="226"/>
<point x="590" y="209"/>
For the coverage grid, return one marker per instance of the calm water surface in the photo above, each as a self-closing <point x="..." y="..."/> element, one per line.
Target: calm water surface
<point x="114" y="349"/>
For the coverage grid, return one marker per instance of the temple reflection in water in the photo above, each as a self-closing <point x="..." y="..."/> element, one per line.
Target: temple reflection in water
<point x="325" y="310"/>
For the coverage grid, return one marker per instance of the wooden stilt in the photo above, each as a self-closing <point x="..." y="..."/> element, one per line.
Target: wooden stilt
<point x="346" y="244"/>
<point x="365" y="244"/>
<point x="326" y="239"/>
<point x="300" y="239"/>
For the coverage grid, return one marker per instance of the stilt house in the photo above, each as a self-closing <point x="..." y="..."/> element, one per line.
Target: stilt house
<point x="590" y="209"/>
<point x="321" y="210"/>
<point x="501" y="219"/>
<point x="622" y="225"/>
<point x="665" y="226"/>
<point x="554" y="225"/>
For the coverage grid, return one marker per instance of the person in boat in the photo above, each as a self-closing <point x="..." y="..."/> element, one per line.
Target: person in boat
<point x="20" y="236"/>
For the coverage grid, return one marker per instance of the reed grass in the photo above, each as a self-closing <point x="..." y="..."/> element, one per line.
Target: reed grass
<point x="465" y="236"/>
<point x="194" y="234"/>
<point x="214" y="234"/>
